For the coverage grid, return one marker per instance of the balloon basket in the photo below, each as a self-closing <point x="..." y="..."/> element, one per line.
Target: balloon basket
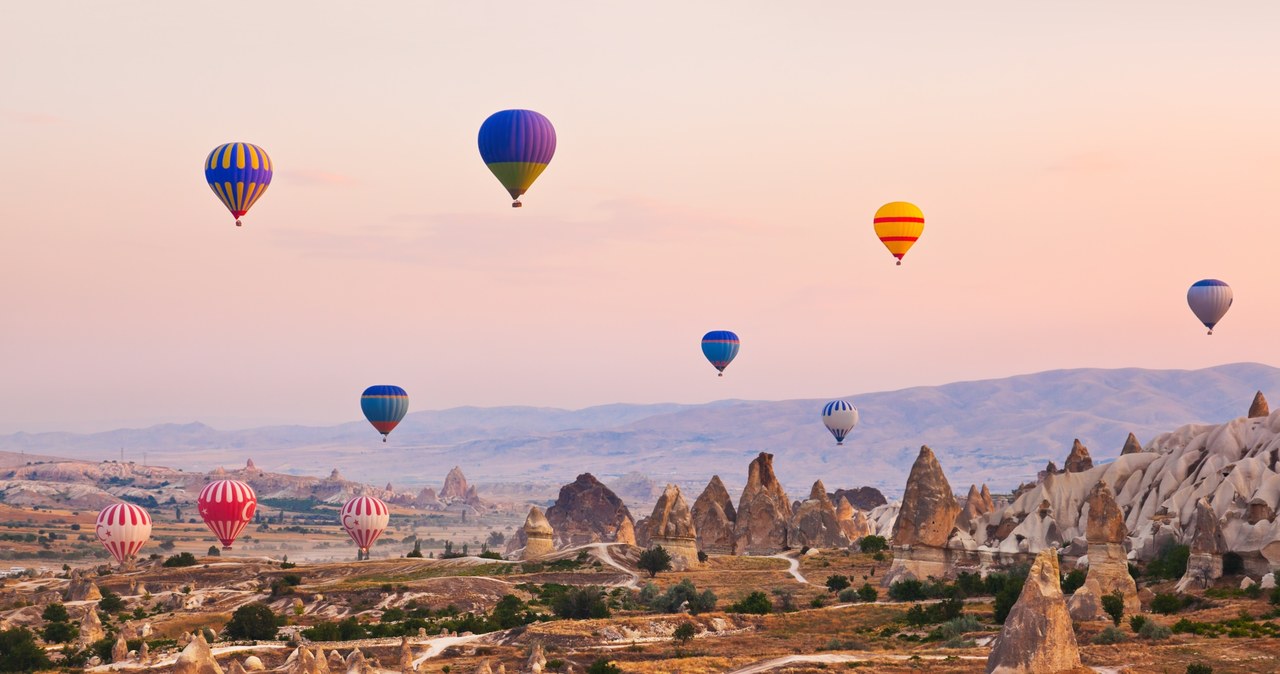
<point x="238" y="222"/>
<point x="721" y="374"/>
<point x="899" y="263"/>
<point x="226" y="547"/>
<point x="516" y="204"/>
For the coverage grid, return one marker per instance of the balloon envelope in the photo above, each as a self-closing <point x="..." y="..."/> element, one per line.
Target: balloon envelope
<point x="365" y="518"/>
<point x="720" y="347"/>
<point x="1209" y="300"/>
<point x="840" y="417"/>
<point x="899" y="225"/>
<point x="517" y="145"/>
<point x="239" y="174"/>
<point x="123" y="529"/>
<point x="226" y="507"/>
<point x="384" y="406"/>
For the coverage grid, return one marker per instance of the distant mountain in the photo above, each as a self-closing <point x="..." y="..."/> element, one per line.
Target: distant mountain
<point x="997" y="431"/>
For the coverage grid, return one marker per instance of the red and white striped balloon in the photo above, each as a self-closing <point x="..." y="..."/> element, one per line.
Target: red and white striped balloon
<point x="365" y="518"/>
<point x="226" y="507"/>
<point x="123" y="529"/>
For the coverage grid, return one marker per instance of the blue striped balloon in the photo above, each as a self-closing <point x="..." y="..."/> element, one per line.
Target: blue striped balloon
<point x="239" y="173"/>
<point x="384" y="407"/>
<point x="720" y="347"/>
<point x="839" y="417"/>
<point x="517" y="145"/>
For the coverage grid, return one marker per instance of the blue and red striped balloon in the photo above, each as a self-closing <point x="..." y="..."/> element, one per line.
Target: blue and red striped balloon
<point x="720" y="347"/>
<point x="239" y="173"/>
<point x="384" y="407"/>
<point x="517" y="145"/>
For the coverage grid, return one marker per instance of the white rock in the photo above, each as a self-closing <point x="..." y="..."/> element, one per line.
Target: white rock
<point x="1268" y="581"/>
<point x="1247" y="583"/>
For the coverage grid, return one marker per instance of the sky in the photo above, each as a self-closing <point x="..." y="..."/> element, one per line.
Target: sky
<point x="718" y="165"/>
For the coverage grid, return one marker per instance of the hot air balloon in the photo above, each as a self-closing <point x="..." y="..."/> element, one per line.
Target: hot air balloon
<point x="384" y="407"/>
<point x="239" y="174"/>
<point x="517" y="145"/>
<point x="1209" y="300"/>
<point x="899" y="224"/>
<point x="720" y="347"/>
<point x="227" y="506"/>
<point x="123" y="529"/>
<point x="365" y="518"/>
<point x="840" y="418"/>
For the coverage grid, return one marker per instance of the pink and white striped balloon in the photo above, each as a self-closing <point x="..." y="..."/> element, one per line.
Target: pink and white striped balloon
<point x="123" y="529"/>
<point x="226" y="507"/>
<point x="365" y="518"/>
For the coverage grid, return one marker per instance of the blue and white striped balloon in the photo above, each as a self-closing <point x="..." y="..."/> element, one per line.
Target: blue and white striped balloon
<point x="1209" y="300"/>
<point x="840" y="418"/>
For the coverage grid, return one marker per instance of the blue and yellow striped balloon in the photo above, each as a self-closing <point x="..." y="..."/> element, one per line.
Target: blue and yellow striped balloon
<point x="720" y="347"/>
<point x="239" y="174"/>
<point x="384" y="407"/>
<point x="517" y="145"/>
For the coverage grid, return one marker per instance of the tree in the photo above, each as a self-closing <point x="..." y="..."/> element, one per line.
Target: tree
<point x="756" y="602"/>
<point x="214" y="551"/>
<point x="55" y="613"/>
<point x="655" y="560"/>
<point x="180" y="559"/>
<point x="254" y="622"/>
<point x="1113" y="604"/>
<point x="873" y="544"/>
<point x="837" y="583"/>
<point x="581" y="603"/>
<point x="603" y="666"/>
<point x="110" y="602"/>
<point x="417" y="550"/>
<point x="59" y="632"/>
<point x="868" y="592"/>
<point x="19" y="651"/>
<point x="496" y="538"/>
<point x="684" y="633"/>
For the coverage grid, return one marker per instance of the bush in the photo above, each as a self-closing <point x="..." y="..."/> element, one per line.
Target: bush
<point x="1007" y="597"/>
<point x="868" y="592"/>
<point x="59" y="632"/>
<point x="180" y="559"/>
<point x="873" y="544"/>
<point x="19" y="651"/>
<point x="1136" y="622"/>
<point x="1232" y="564"/>
<point x="655" y="560"/>
<point x="603" y="666"/>
<point x="253" y="622"/>
<point x="581" y="603"/>
<point x="1110" y="635"/>
<point x="684" y="633"/>
<point x="756" y="602"/>
<point x="848" y="595"/>
<point x="1073" y="581"/>
<point x="1113" y="604"/>
<point x="1199" y="669"/>
<point x="1166" y="603"/>
<point x="1154" y="631"/>
<point x="1171" y="564"/>
<point x="1275" y="595"/>
<point x="907" y="590"/>
<point x="837" y="583"/>
<point x="683" y="594"/>
<point x="702" y="557"/>
<point x="55" y="613"/>
<point x="110" y="602"/>
<point x="416" y="552"/>
<point x="213" y="551"/>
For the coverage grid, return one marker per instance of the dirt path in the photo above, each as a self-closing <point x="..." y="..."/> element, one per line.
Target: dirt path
<point x="767" y="665"/>
<point x="601" y="552"/>
<point x="794" y="570"/>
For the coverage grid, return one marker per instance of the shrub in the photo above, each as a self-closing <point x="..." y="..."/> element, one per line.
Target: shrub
<point x="1275" y="595"/>
<point x="1073" y="581"/>
<point x="837" y="583"/>
<point x="581" y="603"/>
<point x="213" y="551"/>
<point x="1113" y="604"/>
<point x="180" y="559"/>
<point x="873" y="544"/>
<point x="868" y="593"/>
<point x="110" y="602"/>
<point x="59" y="632"/>
<point x="907" y="590"/>
<point x="603" y="666"/>
<point x="55" y="613"/>
<point x="817" y="602"/>
<point x="1007" y="597"/>
<point x="1199" y="669"/>
<point x="254" y="622"/>
<point x="1171" y="564"/>
<point x="756" y="602"/>
<point x="1136" y="622"/>
<point x="19" y="651"/>
<point x="1154" y="631"/>
<point x="655" y="560"/>
<point x="1110" y="635"/>
<point x="702" y="556"/>
<point x="683" y="594"/>
<point x="1166" y="603"/>
<point x="416" y="552"/>
<point x="848" y="594"/>
<point x="684" y="633"/>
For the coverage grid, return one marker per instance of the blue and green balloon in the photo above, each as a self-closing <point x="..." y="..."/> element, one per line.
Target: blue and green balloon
<point x="720" y="347"/>
<point x="517" y="145"/>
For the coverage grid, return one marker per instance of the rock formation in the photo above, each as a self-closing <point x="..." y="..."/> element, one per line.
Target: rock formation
<point x="455" y="486"/>
<point x="254" y="664"/>
<point x="1037" y="637"/>
<point x="925" y="521"/>
<point x="236" y="668"/>
<point x="1207" y="547"/>
<point x="713" y="518"/>
<point x="586" y="511"/>
<point x="356" y="662"/>
<point x="853" y="522"/>
<point x="626" y="532"/>
<point x="1078" y="460"/>
<point x="144" y="652"/>
<point x="406" y="657"/>
<point x="1108" y="561"/>
<point x="816" y="523"/>
<point x="539" y="536"/>
<point x="976" y="504"/>
<point x="862" y="498"/>
<point x="671" y="526"/>
<point x="537" y="658"/>
<point x="473" y="497"/>
<point x="1259" y="408"/>
<point x="120" y="650"/>
<point x="484" y="668"/>
<point x="196" y="658"/>
<point x="1131" y="445"/>
<point x="82" y="589"/>
<point x="91" y="628"/>
<point x="336" y="663"/>
<point x="763" y="511"/>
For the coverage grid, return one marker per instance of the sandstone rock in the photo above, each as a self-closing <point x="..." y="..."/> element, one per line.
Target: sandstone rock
<point x="861" y="498"/>
<point x="236" y="668"/>
<point x="975" y="506"/>
<point x="254" y="664"/>
<point x="1246" y="583"/>
<point x="1037" y="637"/>
<point x="1078" y="460"/>
<point x="713" y="518"/>
<point x="91" y="628"/>
<point x="626" y="532"/>
<point x="671" y="526"/>
<point x="816" y="523"/>
<point x="455" y="486"/>
<point x="539" y="536"/>
<point x="537" y="659"/>
<point x="763" y="511"/>
<point x="484" y="668"/>
<point x="502" y="668"/>
<point x="1131" y="445"/>
<point x="988" y="503"/>
<point x="586" y="511"/>
<point x="196" y="658"/>
<point x="335" y="476"/>
<point x="120" y="651"/>
<point x="406" y="657"/>
<point x="929" y="509"/>
<point x="1259" y="408"/>
<point x="82" y="589"/>
<point x="427" y="498"/>
<point x="1108" y="561"/>
<point x="336" y="663"/>
<point x="144" y="652"/>
<point x="1207" y="547"/>
<point x="1268" y="581"/>
<point x="853" y="522"/>
<point x="356" y="663"/>
<point x="473" y="497"/>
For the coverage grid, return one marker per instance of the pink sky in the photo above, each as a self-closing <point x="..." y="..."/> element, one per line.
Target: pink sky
<point x="1079" y="165"/>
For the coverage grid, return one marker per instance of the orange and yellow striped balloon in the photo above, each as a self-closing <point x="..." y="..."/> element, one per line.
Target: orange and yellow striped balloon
<point x="899" y="225"/>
